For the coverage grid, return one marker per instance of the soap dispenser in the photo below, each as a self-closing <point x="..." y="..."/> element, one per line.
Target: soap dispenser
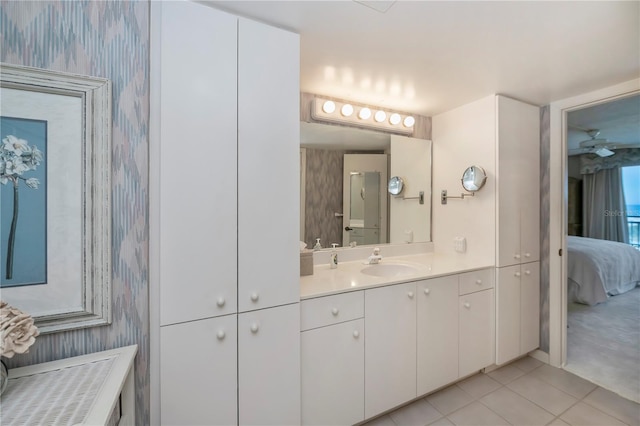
<point x="333" y="258"/>
<point x="317" y="246"/>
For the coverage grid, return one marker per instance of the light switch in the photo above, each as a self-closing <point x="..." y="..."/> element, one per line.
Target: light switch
<point x="460" y="244"/>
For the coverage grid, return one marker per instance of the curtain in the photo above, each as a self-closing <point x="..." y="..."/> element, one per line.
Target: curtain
<point x="604" y="209"/>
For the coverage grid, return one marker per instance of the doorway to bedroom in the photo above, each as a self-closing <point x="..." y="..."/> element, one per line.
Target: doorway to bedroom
<point x="603" y="243"/>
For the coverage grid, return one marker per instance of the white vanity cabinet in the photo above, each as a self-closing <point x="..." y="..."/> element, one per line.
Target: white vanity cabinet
<point x="333" y="374"/>
<point x="269" y="366"/>
<point x="199" y="376"/>
<point x="518" y="313"/>
<point x="437" y="333"/>
<point x="225" y="109"/>
<point x="390" y="348"/>
<point x="332" y="353"/>
<point x="476" y="332"/>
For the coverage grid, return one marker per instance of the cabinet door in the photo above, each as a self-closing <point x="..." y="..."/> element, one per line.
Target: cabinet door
<point x="437" y="333"/>
<point x="508" y="313"/>
<point x="530" y="307"/>
<point x="269" y="366"/>
<point x="508" y="183"/>
<point x="198" y="372"/>
<point x="333" y="374"/>
<point x="476" y="332"/>
<point x="529" y="176"/>
<point x="268" y="166"/>
<point x="197" y="266"/>
<point x="390" y="350"/>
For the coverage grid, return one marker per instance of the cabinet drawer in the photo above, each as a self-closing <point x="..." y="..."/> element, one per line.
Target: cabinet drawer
<point x="331" y="310"/>
<point x="471" y="282"/>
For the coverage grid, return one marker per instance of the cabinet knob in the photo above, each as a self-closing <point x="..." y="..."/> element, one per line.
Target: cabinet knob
<point x="220" y="302"/>
<point x="356" y="333"/>
<point x="516" y="256"/>
<point x="254" y="297"/>
<point x="467" y="305"/>
<point x="221" y="335"/>
<point x="254" y="327"/>
<point x="410" y="294"/>
<point x="527" y="255"/>
<point x="479" y="282"/>
<point x="527" y="272"/>
<point x="427" y="291"/>
<point x="335" y="311"/>
<point x="517" y="274"/>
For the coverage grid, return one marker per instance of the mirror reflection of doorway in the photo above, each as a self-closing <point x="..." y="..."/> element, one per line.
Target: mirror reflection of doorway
<point x="364" y="199"/>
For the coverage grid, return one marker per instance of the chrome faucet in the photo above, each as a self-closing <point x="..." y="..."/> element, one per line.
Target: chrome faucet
<point x="375" y="258"/>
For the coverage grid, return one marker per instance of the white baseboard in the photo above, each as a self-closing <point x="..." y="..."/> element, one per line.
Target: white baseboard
<point x="540" y="356"/>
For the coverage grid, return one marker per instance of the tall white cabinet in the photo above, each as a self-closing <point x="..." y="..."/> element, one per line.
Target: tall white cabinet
<point x="518" y="229"/>
<point x="225" y="315"/>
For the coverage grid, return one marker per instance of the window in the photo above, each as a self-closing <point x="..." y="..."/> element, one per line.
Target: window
<point x="631" y="188"/>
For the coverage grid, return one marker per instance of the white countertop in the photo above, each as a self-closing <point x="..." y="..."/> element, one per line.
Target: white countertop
<point x="348" y="276"/>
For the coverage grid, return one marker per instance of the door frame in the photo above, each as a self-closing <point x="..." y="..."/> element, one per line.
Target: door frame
<point x="558" y="173"/>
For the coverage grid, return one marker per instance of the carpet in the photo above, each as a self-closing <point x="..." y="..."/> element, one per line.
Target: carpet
<point x="603" y="343"/>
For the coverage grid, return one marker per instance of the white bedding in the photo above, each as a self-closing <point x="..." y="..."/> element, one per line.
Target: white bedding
<point x="598" y="269"/>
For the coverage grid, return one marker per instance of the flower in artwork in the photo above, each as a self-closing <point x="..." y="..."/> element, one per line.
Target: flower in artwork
<point x="17" y="157"/>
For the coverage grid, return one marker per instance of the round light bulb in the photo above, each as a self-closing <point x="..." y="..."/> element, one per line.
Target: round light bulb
<point x="395" y="118"/>
<point x="364" y="114"/>
<point x="409" y="121"/>
<point x="329" y="107"/>
<point x="346" y="110"/>
<point x="380" y="116"/>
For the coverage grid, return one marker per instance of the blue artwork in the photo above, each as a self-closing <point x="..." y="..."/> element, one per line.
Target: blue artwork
<point x="23" y="202"/>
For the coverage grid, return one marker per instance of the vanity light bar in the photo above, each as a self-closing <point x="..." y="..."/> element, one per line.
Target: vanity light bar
<point x="323" y="109"/>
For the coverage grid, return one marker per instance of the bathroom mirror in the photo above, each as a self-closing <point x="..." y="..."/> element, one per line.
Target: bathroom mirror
<point x="473" y="178"/>
<point x="330" y="193"/>
<point x="396" y="185"/>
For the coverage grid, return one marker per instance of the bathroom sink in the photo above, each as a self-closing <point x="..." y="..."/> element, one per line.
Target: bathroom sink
<point x="389" y="270"/>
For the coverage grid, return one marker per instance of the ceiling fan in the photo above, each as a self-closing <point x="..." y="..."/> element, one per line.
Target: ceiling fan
<point x="599" y="146"/>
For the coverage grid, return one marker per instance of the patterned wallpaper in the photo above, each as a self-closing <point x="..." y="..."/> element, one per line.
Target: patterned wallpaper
<point x="106" y="39"/>
<point x="545" y="145"/>
<point x="323" y="197"/>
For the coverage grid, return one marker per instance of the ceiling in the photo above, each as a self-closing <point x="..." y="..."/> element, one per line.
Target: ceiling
<point x="428" y="57"/>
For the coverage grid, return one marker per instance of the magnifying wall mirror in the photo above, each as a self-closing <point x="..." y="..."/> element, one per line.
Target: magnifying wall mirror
<point x="396" y="185"/>
<point x="473" y="178"/>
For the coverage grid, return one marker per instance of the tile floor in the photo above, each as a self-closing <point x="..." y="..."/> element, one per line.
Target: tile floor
<point x="525" y="392"/>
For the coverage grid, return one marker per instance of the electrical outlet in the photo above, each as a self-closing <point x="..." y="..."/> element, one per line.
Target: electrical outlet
<point x="460" y="244"/>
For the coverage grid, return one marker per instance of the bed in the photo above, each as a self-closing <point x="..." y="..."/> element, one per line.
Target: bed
<point x="598" y="269"/>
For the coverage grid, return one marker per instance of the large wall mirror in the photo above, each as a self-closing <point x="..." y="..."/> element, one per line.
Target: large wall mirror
<point x="344" y="173"/>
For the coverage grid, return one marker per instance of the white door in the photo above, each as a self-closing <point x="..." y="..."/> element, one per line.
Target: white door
<point x="269" y="366"/>
<point x="333" y="374"/>
<point x="477" y="332"/>
<point x="364" y="221"/>
<point x="268" y="166"/>
<point x="507" y="313"/>
<point x="437" y="332"/>
<point x="198" y="372"/>
<point x="390" y="350"/>
<point x="197" y="266"/>
<point x="530" y="307"/>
